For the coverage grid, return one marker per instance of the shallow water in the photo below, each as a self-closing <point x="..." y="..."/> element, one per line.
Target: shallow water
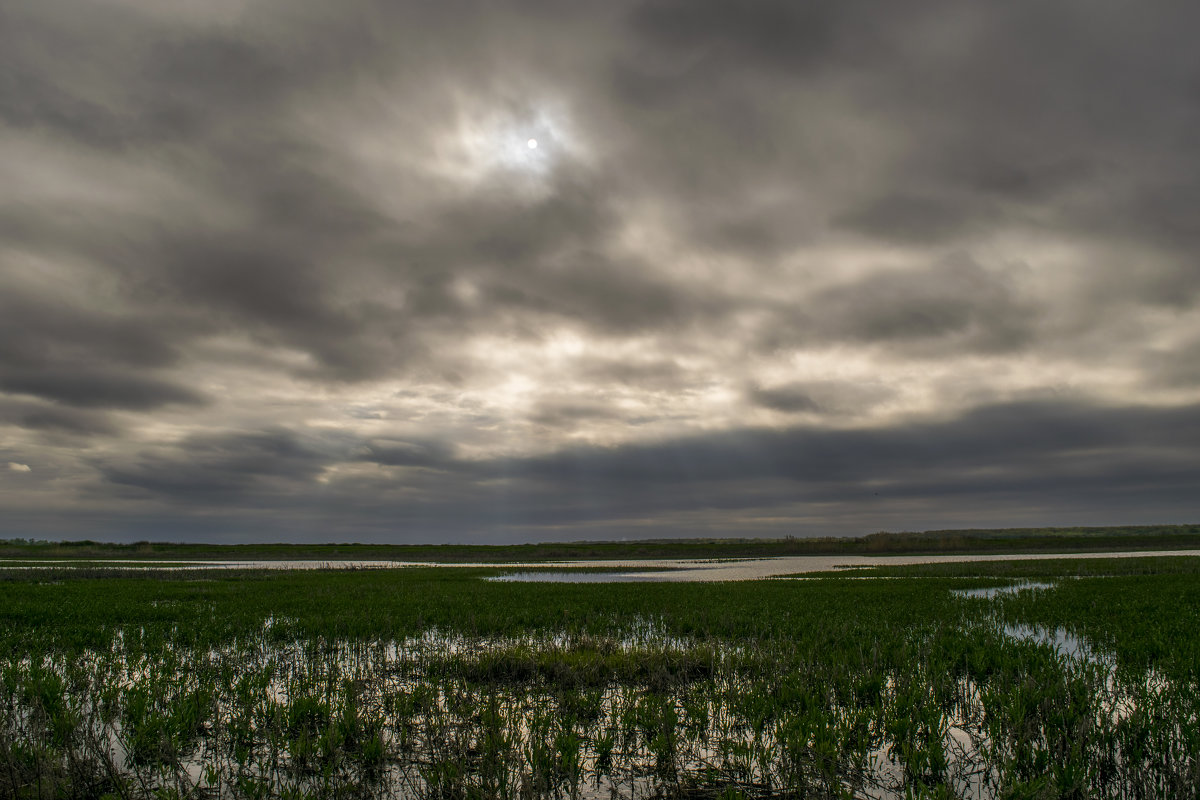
<point x="1061" y="640"/>
<point x="660" y="569"/>
<point x="693" y="570"/>
<point x="993" y="591"/>
<point x="576" y="577"/>
<point x="712" y="733"/>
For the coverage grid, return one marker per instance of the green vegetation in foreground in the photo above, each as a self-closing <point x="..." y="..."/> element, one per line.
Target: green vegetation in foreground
<point x="1003" y="540"/>
<point x="433" y="683"/>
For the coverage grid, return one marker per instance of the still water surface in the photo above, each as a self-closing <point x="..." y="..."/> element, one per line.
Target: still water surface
<point x="665" y="570"/>
<point x="621" y="571"/>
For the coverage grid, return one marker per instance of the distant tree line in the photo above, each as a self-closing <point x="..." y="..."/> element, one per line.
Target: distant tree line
<point x="997" y="540"/>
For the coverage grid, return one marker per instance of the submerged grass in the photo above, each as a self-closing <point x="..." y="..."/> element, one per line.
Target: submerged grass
<point x="435" y="683"/>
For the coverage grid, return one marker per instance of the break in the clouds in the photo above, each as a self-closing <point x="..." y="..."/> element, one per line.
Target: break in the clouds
<point x="276" y="270"/>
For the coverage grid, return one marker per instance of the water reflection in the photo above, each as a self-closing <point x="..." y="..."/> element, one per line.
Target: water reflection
<point x="993" y="591"/>
<point x="576" y="577"/>
<point x="1060" y="640"/>
<point x="660" y="569"/>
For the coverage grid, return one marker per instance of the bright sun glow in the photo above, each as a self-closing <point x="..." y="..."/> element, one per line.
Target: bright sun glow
<point x="524" y="144"/>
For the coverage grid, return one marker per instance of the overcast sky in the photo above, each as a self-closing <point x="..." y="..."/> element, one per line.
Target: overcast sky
<point x="509" y="271"/>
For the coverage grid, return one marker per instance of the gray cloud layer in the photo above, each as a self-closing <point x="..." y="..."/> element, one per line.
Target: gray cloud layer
<point x="292" y="269"/>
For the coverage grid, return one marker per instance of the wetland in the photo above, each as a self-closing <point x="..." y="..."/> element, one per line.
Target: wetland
<point x="1065" y="677"/>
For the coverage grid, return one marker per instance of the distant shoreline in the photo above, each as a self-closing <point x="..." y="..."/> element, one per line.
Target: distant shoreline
<point x="967" y="542"/>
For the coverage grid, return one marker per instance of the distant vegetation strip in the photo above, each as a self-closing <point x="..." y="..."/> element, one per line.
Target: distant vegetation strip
<point x="1000" y="540"/>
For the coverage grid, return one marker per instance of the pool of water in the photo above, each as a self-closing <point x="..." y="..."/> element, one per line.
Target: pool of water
<point x="993" y="591"/>
<point x="1061" y="640"/>
<point x="576" y="577"/>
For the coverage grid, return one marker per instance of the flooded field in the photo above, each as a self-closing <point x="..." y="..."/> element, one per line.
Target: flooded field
<point x="613" y="570"/>
<point x="1077" y="678"/>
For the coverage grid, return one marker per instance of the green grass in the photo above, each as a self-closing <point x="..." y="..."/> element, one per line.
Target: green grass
<point x="430" y="682"/>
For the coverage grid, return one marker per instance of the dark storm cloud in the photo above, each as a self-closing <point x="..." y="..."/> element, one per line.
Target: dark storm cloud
<point x="656" y="374"/>
<point x="223" y="218"/>
<point x="763" y="34"/>
<point x="226" y="466"/>
<point x="953" y="305"/>
<point x="307" y="223"/>
<point x="1040" y="454"/>
<point x="188" y="75"/>
<point x="93" y="389"/>
<point x="1068" y="115"/>
<point x="116" y="77"/>
<point x="1045" y="455"/>
<point x="397" y="453"/>
<point x="912" y="217"/>
<point x="1048" y="115"/>
<point x="34" y="329"/>
<point x="280" y="295"/>
<point x="568" y="414"/>
<point x="545" y="257"/>
<point x="607" y="298"/>
<point x="212" y="92"/>
<point x="1032" y="438"/>
<point x="310" y="246"/>
<point x="55" y="419"/>
<point x="86" y="358"/>
<point x="826" y="397"/>
<point x="955" y="297"/>
<point x="784" y="398"/>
